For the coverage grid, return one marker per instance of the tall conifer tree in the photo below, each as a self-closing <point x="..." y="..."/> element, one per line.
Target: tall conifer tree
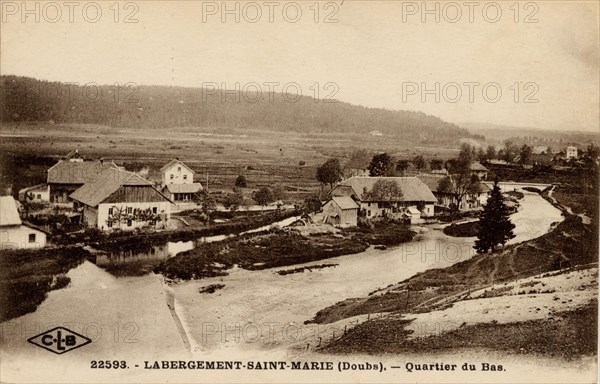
<point x="495" y="227"/>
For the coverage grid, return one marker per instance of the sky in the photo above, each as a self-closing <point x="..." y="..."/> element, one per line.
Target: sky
<point x="528" y="64"/>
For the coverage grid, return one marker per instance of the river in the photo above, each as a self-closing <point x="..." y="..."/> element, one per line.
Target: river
<point x="260" y="312"/>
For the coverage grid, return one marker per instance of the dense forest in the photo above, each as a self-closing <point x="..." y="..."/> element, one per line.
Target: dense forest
<point x="26" y="100"/>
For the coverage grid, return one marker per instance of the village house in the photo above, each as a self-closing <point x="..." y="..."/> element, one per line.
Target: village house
<point x="571" y="152"/>
<point x="178" y="181"/>
<point x="15" y="233"/>
<point x="478" y="170"/>
<point x="416" y="201"/>
<point x="66" y="176"/>
<point x="37" y="193"/>
<point x="341" y="211"/>
<point x="118" y="199"/>
<point x="74" y="156"/>
<point x="475" y="198"/>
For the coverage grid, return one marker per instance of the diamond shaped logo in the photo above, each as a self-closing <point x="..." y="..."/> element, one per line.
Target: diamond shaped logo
<point x="59" y="340"/>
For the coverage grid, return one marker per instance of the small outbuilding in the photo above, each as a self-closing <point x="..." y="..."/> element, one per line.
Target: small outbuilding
<point x="36" y="193"/>
<point x="14" y="233"/>
<point x="341" y="211"/>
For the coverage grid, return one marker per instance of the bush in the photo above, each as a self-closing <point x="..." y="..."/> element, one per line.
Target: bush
<point x="241" y="182"/>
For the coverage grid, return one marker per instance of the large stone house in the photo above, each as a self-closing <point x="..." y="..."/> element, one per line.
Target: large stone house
<point x="341" y="211"/>
<point x="15" y="233"/>
<point x="475" y="198"/>
<point x="118" y="199"/>
<point x="416" y="200"/>
<point x="178" y="181"/>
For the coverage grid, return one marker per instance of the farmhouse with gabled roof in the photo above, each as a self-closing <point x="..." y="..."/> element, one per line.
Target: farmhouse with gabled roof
<point x="118" y="199"/>
<point x="415" y="196"/>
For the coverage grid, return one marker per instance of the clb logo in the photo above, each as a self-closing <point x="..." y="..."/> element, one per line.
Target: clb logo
<point x="59" y="340"/>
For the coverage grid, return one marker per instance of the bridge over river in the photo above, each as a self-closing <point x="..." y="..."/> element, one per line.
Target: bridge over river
<point x="507" y="186"/>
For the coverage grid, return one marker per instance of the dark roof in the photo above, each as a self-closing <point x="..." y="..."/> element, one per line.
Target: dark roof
<point x="412" y="188"/>
<point x="172" y="163"/>
<point x="183" y="188"/>
<point x="69" y="172"/>
<point x="105" y="184"/>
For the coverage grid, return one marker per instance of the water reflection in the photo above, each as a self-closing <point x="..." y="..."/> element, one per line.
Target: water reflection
<point x="142" y="260"/>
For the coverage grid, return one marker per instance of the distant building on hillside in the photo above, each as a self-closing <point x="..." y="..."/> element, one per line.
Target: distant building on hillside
<point x="118" y="199"/>
<point x="178" y="181"/>
<point x="571" y="152"/>
<point x="15" y="233"/>
<point x="341" y="211"/>
<point x="416" y="200"/>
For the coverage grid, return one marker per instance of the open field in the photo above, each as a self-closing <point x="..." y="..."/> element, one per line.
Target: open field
<point x="265" y="157"/>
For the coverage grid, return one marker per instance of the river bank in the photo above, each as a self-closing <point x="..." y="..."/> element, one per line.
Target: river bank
<point x="439" y="300"/>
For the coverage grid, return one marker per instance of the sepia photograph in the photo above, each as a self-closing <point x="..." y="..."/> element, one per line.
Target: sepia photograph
<point x="308" y="191"/>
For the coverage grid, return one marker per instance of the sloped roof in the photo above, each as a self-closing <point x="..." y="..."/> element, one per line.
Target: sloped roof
<point x="105" y="184"/>
<point x="74" y="154"/>
<point x="68" y="172"/>
<point x="412" y="188"/>
<point x="476" y="166"/>
<point x="433" y="181"/>
<point x="9" y="215"/>
<point x="184" y="188"/>
<point x="345" y="202"/>
<point x="34" y="187"/>
<point x="172" y="163"/>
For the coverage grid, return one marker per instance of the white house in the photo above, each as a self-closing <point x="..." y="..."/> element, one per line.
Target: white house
<point x="341" y="211"/>
<point x="571" y="152"/>
<point x="416" y="197"/>
<point x="36" y="193"/>
<point x="176" y="172"/>
<point x="118" y="199"/>
<point x="14" y="233"/>
<point x="178" y="181"/>
<point x="474" y="198"/>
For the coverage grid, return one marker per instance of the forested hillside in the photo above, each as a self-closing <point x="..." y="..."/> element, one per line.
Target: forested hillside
<point x="29" y="100"/>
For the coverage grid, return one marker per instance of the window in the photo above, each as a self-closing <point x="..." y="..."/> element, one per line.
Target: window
<point x="110" y="211"/>
<point x="32" y="237"/>
<point x="39" y="196"/>
<point x="129" y="210"/>
<point x="154" y="209"/>
<point x="129" y="223"/>
<point x="172" y="176"/>
<point x="184" y="177"/>
<point x="178" y="169"/>
<point x="109" y="223"/>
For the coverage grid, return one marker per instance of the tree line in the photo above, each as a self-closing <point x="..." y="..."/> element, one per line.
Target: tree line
<point x="25" y="100"/>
